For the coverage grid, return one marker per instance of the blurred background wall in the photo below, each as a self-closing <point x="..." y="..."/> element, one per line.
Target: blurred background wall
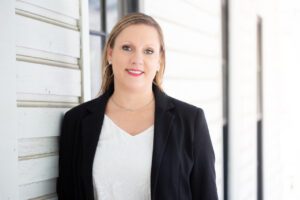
<point x="238" y="60"/>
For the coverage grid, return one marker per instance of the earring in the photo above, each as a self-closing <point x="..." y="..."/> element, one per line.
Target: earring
<point x="109" y="62"/>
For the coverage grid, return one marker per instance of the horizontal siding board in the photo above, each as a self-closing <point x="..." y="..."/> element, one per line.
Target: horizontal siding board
<point x="64" y="7"/>
<point x="47" y="98"/>
<point x="44" y="14"/>
<point x="193" y="90"/>
<point x="42" y="79"/>
<point x="196" y="19"/>
<point x="47" y="37"/>
<point x="33" y="190"/>
<point x="40" y="169"/>
<point x="48" y="73"/>
<point x="39" y="122"/>
<point x="212" y="112"/>
<point x="37" y="146"/>
<point x="180" y="39"/>
<point x="210" y="6"/>
<point x="47" y="56"/>
<point x="193" y="67"/>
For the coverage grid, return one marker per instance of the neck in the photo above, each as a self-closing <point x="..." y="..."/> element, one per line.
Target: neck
<point x="132" y="99"/>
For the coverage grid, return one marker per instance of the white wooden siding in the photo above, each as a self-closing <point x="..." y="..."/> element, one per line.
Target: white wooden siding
<point x="35" y="122"/>
<point x="63" y="14"/>
<point x="50" y="80"/>
<point x="281" y="21"/>
<point x="55" y="39"/>
<point x="8" y="109"/>
<point x="37" y="189"/>
<point x="242" y="99"/>
<point x="49" y="63"/>
<point x="69" y="8"/>
<point x="40" y="169"/>
<point x="192" y="31"/>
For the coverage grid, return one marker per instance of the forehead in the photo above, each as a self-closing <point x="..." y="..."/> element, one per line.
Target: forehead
<point x="139" y="34"/>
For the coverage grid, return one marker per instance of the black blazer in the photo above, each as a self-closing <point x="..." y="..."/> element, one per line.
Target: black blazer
<point x="182" y="161"/>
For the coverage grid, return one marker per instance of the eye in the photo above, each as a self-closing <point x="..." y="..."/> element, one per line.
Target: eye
<point x="126" y="48"/>
<point x="149" y="51"/>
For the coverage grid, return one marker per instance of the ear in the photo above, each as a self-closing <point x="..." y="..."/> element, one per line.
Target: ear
<point x="109" y="53"/>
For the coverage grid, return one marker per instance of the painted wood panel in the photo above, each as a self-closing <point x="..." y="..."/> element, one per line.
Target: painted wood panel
<point x="39" y="122"/>
<point x="212" y="111"/>
<point x="8" y="145"/>
<point x="242" y="109"/>
<point x="21" y="97"/>
<point x="42" y="79"/>
<point x="64" y="7"/>
<point x="210" y="6"/>
<point x="45" y="14"/>
<point x="36" y="189"/>
<point x="193" y="90"/>
<point x="178" y="38"/>
<point x="37" y="147"/>
<point x="48" y="58"/>
<point x="194" y="20"/>
<point x="40" y="169"/>
<point x="193" y="67"/>
<point x="34" y="34"/>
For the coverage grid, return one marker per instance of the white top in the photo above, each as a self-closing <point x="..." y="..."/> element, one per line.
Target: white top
<point x="122" y="163"/>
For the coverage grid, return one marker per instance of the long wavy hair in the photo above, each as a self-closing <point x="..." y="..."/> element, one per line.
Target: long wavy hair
<point x="131" y="19"/>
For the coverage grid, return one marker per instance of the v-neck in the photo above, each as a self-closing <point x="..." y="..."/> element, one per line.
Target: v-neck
<point x="149" y="129"/>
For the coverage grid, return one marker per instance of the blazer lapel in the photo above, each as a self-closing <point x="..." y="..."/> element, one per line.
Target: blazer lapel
<point x="162" y="124"/>
<point x="91" y="125"/>
<point x="90" y="132"/>
<point x="91" y="128"/>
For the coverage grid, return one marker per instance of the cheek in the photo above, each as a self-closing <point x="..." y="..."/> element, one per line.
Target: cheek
<point x="120" y="62"/>
<point x="152" y="70"/>
<point x="154" y="63"/>
<point x="152" y="67"/>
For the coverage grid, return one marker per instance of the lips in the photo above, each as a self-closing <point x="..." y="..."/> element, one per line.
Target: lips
<point x="134" y="72"/>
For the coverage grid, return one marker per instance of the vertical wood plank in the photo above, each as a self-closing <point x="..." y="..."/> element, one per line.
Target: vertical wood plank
<point x="8" y="141"/>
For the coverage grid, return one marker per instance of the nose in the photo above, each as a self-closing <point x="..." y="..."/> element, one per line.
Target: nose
<point x="137" y="59"/>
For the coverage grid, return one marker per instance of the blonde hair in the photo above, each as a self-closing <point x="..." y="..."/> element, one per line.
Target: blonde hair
<point x="126" y="21"/>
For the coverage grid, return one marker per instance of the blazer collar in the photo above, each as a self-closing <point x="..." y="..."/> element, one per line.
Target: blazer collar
<point x="91" y="128"/>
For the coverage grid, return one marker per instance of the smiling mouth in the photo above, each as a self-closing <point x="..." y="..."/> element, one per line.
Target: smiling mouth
<point x="134" y="72"/>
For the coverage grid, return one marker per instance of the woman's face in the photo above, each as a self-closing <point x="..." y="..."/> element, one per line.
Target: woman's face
<point x="135" y="57"/>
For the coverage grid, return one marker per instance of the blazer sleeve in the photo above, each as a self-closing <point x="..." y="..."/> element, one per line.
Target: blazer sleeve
<point x="65" y="178"/>
<point x="203" y="177"/>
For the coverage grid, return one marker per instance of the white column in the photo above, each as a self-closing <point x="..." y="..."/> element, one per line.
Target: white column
<point x="85" y="51"/>
<point x="8" y="131"/>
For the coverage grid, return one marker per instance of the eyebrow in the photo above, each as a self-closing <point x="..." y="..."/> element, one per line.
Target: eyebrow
<point x="128" y="42"/>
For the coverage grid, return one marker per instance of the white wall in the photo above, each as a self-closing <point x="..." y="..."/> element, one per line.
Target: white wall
<point x="48" y="83"/>
<point x="282" y="47"/>
<point x="272" y="102"/>
<point x="289" y="49"/>
<point x="8" y="132"/>
<point x="44" y="72"/>
<point x="242" y="100"/>
<point x="192" y="31"/>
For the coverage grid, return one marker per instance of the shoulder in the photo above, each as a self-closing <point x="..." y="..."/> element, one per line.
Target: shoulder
<point x="82" y="109"/>
<point x="184" y="108"/>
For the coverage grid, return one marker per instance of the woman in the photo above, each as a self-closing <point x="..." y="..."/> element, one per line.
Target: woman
<point x="151" y="146"/>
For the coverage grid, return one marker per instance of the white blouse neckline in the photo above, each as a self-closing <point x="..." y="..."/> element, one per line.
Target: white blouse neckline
<point x="144" y="132"/>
